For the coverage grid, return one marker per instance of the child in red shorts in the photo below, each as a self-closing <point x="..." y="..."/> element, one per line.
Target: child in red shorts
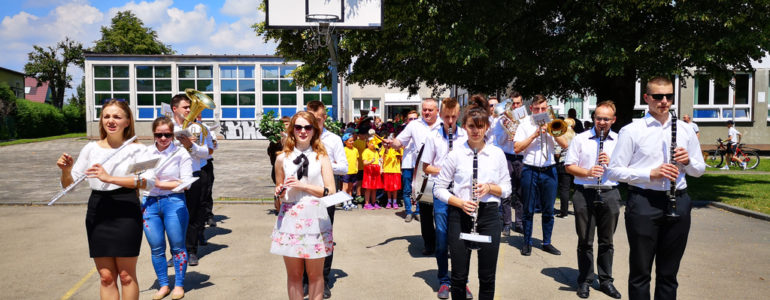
<point x="392" y="176"/>
<point x="372" y="180"/>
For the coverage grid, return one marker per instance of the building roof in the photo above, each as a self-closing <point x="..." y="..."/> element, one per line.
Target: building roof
<point x="12" y="71"/>
<point x="36" y="93"/>
<point x="87" y="55"/>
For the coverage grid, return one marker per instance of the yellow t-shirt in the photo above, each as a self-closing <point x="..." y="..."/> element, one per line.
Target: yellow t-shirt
<point x="353" y="157"/>
<point x="392" y="160"/>
<point x="361" y="146"/>
<point x="371" y="154"/>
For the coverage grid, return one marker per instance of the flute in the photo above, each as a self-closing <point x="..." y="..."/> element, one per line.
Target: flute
<point x="672" y="191"/>
<point x="83" y="177"/>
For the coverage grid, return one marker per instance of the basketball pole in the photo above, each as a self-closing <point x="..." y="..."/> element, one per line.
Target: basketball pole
<point x="332" y="46"/>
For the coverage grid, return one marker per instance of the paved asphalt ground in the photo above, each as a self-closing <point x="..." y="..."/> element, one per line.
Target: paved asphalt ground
<point x="45" y="254"/>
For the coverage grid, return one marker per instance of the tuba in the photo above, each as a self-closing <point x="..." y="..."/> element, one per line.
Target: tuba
<point x="505" y="110"/>
<point x="556" y="127"/>
<point x="198" y="102"/>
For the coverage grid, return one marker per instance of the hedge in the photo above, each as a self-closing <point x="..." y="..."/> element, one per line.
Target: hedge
<point x="35" y="119"/>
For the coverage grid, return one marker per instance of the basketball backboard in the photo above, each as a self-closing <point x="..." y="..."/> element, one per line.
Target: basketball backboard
<point x="298" y="14"/>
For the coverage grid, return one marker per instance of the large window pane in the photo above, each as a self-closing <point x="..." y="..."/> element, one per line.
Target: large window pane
<point x="227" y="71"/>
<point x="701" y="90"/>
<point x="186" y="84"/>
<point x="269" y="99"/>
<point x="144" y="85"/>
<point x="98" y="98"/>
<point x="102" y="85"/>
<point x="246" y="85"/>
<point x="286" y="71"/>
<point x="310" y="97"/>
<point x="120" y="85"/>
<point x="247" y="113"/>
<point x="186" y="72"/>
<point x="163" y="72"/>
<point x="204" y="72"/>
<point x="246" y="99"/>
<point x="120" y="71"/>
<point x="205" y="85"/>
<point x="101" y="71"/>
<point x="144" y="72"/>
<point x="721" y="94"/>
<point x="229" y="113"/>
<point x="270" y="85"/>
<point x="229" y="99"/>
<point x="126" y="97"/>
<point x="288" y="85"/>
<point x="270" y="72"/>
<point x="162" y="85"/>
<point x="326" y="99"/>
<point x="229" y="85"/>
<point x="742" y="89"/>
<point x="246" y="72"/>
<point x="146" y="113"/>
<point x="288" y="99"/>
<point x="706" y="113"/>
<point x="162" y="98"/>
<point x="145" y="99"/>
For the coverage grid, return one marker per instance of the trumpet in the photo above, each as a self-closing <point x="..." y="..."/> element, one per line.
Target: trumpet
<point x="556" y="127"/>
<point x="198" y="102"/>
<point x="505" y="110"/>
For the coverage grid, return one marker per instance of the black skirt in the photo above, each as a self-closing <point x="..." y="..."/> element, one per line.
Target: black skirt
<point x="114" y="223"/>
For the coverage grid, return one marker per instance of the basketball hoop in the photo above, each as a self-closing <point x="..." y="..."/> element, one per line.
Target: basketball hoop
<point x="322" y="30"/>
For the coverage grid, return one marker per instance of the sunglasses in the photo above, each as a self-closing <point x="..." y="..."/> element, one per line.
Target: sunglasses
<point x="110" y="99"/>
<point x="300" y="127"/>
<point x="659" y="97"/>
<point x="167" y="135"/>
<point x="602" y="119"/>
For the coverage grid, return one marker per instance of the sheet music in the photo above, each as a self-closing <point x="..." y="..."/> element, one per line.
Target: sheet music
<point x="334" y="199"/>
<point x="520" y="113"/>
<point x="185" y="184"/>
<point x="143" y="166"/>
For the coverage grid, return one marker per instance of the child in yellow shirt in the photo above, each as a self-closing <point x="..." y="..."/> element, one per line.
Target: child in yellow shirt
<point x="360" y="145"/>
<point x="349" y="179"/>
<point x="392" y="176"/>
<point x="372" y="180"/>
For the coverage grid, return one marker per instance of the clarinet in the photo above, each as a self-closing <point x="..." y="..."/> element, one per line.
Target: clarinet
<point x="474" y="215"/>
<point x="598" y="199"/>
<point x="672" y="191"/>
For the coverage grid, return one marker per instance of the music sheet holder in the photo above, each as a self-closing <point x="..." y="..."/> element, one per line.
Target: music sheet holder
<point x="143" y="166"/>
<point x="598" y="186"/>
<point x="475" y="237"/>
<point x="185" y="184"/>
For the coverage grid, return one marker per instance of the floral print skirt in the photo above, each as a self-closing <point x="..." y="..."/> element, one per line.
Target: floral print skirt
<point x="303" y="230"/>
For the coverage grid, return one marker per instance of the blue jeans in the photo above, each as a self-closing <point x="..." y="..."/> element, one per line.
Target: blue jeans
<point x="406" y="188"/>
<point x="538" y="187"/>
<point x="166" y="214"/>
<point x="442" y="250"/>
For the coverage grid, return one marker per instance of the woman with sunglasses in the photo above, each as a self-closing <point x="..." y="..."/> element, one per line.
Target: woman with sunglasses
<point x="303" y="231"/>
<point x="164" y="211"/>
<point x="114" y="216"/>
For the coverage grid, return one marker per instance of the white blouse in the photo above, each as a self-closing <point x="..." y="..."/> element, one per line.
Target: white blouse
<point x="118" y="165"/>
<point x="458" y="168"/>
<point x="176" y="167"/>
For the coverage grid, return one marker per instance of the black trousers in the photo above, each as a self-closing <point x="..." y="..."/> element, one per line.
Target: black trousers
<point x="515" y="165"/>
<point x="565" y="183"/>
<point x="602" y="219"/>
<point x="328" y="260"/>
<point x="487" y="224"/>
<point x="427" y="228"/>
<point x="654" y="237"/>
<point x="193" y="200"/>
<point x="208" y="200"/>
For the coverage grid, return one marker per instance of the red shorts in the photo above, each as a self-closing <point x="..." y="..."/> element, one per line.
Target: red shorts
<point x="392" y="181"/>
<point x="372" y="179"/>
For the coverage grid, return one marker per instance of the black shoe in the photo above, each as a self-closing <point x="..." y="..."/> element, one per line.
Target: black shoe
<point x="562" y="216"/>
<point x="211" y="223"/>
<point x="327" y="292"/>
<point x="583" y="290"/>
<point x="526" y="250"/>
<point x="506" y="230"/>
<point x="193" y="260"/>
<point x="427" y="252"/>
<point x="417" y="217"/>
<point x="518" y="229"/>
<point x="609" y="289"/>
<point x="551" y="249"/>
<point x="304" y="290"/>
<point x="408" y="218"/>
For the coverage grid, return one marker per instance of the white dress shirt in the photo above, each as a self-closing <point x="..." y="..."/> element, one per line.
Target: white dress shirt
<point x="583" y="151"/>
<point x="213" y="141"/>
<point x="336" y="151"/>
<point x="458" y="168"/>
<point x="118" y="165"/>
<point x="413" y="137"/>
<point x="694" y="127"/>
<point x="197" y="152"/>
<point x="501" y="138"/>
<point x="534" y="155"/>
<point x="644" y="145"/>
<point x="437" y="146"/>
<point x="490" y="137"/>
<point x="176" y="167"/>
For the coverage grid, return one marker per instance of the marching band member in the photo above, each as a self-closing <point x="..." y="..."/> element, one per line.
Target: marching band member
<point x="596" y="210"/>
<point x="493" y="183"/>
<point x="642" y="159"/>
<point x="114" y="216"/>
<point x="538" y="177"/>
<point x="515" y="163"/>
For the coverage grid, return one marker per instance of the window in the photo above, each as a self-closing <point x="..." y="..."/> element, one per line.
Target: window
<point x="366" y="104"/>
<point x="109" y="82"/>
<point x="153" y="87"/>
<point x="319" y="92"/>
<point x="238" y="92"/>
<point x="721" y="102"/>
<point x="199" y="78"/>
<point x="279" y="92"/>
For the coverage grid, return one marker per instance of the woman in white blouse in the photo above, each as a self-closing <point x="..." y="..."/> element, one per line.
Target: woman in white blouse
<point x="164" y="210"/>
<point x="114" y="217"/>
<point x="493" y="183"/>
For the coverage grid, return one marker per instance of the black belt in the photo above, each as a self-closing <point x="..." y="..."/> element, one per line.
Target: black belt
<point x="540" y="169"/>
<point x="210" y="160"/>
<point x="654" y="193"/>
<point x="197" y="174"/>
<point x="513" y="156"/>
<point x="582" y="188"/>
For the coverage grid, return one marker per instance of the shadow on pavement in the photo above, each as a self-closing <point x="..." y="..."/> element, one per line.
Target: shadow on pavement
<point x="211" y="247"/>
<point x="564" y="275"/>
<point x="335" y="274"/>
<point x="430" y="277"/>
<point x="415" y="244"/>
<point x="220" y="218"/>
<point x="192" y="281"/>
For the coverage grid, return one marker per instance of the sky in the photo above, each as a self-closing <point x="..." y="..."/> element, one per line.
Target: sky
<point x="189" y="26"/>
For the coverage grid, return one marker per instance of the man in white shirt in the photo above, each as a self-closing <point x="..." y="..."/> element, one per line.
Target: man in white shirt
<point x="733" y="139"/>
<point x="692" y="124"/>
<point x="492" y="119"/>
<point x="596" y="200"/>
<point x="336" y="151"/>
<point x="642" y="158"/>
<point x="180" y="106"/>
<point x="538" y="177"/>
<point x="504" y="140"/>
<point x="407" y="169"/>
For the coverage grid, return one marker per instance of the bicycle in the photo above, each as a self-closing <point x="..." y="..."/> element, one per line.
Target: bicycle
<point x="715" y="158"/>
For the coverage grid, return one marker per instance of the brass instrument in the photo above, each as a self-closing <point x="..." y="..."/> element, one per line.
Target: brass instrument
<point x="198" y="102"/>
<point x="556" y="127"/>
<point x="505" y="110"/>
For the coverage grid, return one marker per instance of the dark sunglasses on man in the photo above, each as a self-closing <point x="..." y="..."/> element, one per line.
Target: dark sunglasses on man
<point x="659" y="97"/>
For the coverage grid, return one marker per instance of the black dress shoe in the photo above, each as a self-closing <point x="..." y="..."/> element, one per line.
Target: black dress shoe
<point x="506" y="231"/>
<point x="518" y="229"/>
<point x="427" y="252"/>
<point x="327" y="292"/>
<point x="609" y="289"/>
<point x="583" y="290"/>
<point x="551" y="249"/>
<point x="211" y="223"/>
<point x="526" y="250"/>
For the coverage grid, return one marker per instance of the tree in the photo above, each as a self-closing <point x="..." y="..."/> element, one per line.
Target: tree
<point x="127" y="35"/>
<point x="50" y="64"/>
<point x="552" y="47"/>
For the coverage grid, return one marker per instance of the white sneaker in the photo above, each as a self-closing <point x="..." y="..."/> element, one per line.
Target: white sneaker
<point x="725" y="168"/>
<point x="743" y="165"/>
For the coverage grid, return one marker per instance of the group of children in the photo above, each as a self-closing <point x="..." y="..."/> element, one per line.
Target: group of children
<point x="371" y="168"/>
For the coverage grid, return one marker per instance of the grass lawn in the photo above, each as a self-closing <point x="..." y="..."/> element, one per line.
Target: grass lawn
<point x="48" y="138"/>
<point x="747" y="191"/>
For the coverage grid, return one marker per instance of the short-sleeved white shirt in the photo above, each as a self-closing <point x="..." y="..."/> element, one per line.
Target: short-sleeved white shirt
<point x="533" y="154"/>
<point x="413" y="137"/>
<point x="733" y="134"/>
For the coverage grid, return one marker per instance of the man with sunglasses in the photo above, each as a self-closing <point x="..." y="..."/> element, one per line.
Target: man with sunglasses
<point x="596" y="201"/>
<point x="642" y="159"/>
<point x="515" y="164"/>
